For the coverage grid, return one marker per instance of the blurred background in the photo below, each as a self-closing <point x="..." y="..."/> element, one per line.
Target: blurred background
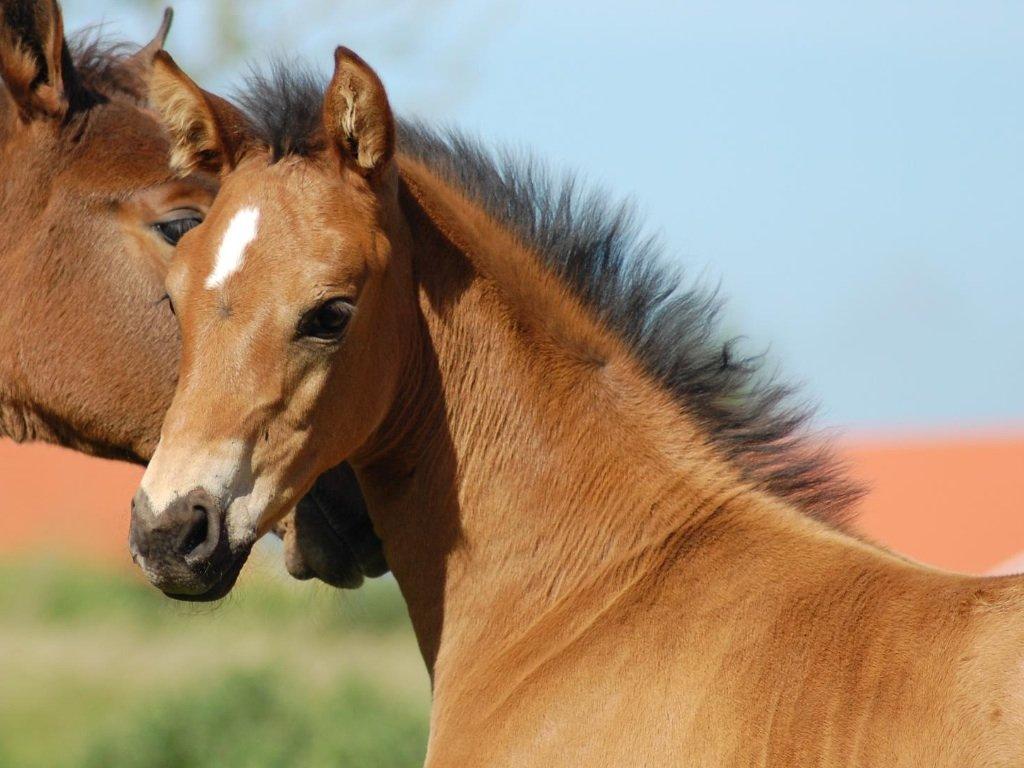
<point x="849" y="174"/>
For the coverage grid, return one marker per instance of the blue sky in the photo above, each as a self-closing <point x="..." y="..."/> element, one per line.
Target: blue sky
<point x="851" y="174"/>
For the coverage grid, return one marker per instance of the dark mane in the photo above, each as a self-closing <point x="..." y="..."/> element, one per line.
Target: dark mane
<point x="596" y="246"/>
<point x="103" y="67"/>
<point x="284" y="106"/>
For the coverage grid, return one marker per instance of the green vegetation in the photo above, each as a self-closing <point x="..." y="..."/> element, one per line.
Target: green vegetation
<point x="98" y="670"/>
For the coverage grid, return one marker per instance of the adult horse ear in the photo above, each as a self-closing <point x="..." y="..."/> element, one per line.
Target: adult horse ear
<point x="35" y="62"/>
<point x="142" y="60"/>
<point x="208" y="133"/>
<point x="357" y="116"/>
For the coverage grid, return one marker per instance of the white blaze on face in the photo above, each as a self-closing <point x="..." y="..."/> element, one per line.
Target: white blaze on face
<point x="231" y="254"/>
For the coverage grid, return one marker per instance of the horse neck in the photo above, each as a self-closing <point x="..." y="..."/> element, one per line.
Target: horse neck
<point x="548" y="475"/>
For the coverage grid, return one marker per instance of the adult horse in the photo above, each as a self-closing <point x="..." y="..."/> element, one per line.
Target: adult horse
<point x="89" y="216"/>
<point x="614" y="550"/>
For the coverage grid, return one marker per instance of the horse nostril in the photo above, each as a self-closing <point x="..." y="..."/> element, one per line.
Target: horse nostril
<point x="198" y="531"/>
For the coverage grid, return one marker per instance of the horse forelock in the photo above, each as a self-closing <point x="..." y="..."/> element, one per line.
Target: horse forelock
<point x="104" y="66"/>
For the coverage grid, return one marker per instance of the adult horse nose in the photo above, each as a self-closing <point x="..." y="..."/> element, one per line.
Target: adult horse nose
<point x="190" y="528"/>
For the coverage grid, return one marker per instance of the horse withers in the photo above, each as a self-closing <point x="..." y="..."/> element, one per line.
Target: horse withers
<point x="90" y="213"/>
<point x="616" y="548"/>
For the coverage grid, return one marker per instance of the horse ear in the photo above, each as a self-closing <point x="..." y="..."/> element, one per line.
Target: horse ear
<point x="207" y="132"/>
<point x="34" y="59"/>
<point x="142" y="60"/>
<point x="357" y="116"/>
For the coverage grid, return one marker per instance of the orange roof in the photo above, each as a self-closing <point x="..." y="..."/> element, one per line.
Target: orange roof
<point x="956" y="502"/>
<point x="52" y="499"/>
<point x="953" y="502"/>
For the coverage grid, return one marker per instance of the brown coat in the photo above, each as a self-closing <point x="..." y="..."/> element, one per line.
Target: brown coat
<point x="597" y="571"/>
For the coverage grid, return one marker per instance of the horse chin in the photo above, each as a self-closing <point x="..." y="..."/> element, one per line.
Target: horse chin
<point x="219" y="588"/>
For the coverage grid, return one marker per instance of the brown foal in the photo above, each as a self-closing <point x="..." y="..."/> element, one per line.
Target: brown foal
<point x="611" y="547"/>
<point x="90" y="213"/>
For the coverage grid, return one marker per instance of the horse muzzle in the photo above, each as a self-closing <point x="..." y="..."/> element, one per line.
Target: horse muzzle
<point x="184" y="549"/>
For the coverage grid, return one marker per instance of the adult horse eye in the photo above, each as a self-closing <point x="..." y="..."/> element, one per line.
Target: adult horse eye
<point x="326" y="322"/>
<point x="174" y="229"/>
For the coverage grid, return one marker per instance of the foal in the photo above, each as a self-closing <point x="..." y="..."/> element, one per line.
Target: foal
<point x="607" y="542"/>
<point x="90" y="213"/>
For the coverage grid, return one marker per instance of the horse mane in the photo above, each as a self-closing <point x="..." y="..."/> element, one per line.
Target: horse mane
<point x="103" y="65"/>
<point x="757" y="421"/>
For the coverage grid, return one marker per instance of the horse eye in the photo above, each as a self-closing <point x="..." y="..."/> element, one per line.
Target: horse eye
<point x="173" y="230"/>
<point x="326" y="322"/>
